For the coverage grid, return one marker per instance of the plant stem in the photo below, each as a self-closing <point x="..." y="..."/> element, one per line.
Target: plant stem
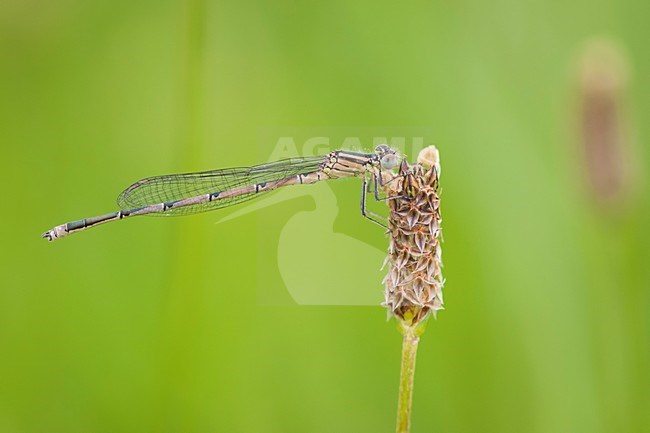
<point x="409" y="354"/>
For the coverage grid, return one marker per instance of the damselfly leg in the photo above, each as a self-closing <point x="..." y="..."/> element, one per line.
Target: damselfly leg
<point x="376" y="180"/>
<point x="375" y="218"/>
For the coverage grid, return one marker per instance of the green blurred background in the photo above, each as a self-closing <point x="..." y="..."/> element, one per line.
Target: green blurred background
<point x="152" y="325"/>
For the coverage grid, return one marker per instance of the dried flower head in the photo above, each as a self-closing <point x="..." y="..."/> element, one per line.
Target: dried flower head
<point x="414" y="281"/>
<point x="604" y="73"/>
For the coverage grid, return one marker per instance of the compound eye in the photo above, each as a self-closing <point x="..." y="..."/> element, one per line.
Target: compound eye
<point x="381" y="149"/>
<point x="389" y="161"/>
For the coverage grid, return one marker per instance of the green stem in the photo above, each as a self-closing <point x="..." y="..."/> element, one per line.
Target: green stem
<point x="409" y="354"/>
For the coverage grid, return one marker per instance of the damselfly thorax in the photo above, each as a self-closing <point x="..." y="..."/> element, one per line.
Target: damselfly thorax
<point x="190" y="193"/>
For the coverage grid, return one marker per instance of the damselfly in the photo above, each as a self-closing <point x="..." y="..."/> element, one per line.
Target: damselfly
<point x="183" y="194"/>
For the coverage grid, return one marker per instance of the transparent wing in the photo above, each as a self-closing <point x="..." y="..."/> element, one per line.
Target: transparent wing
<point x="160" y="189"/>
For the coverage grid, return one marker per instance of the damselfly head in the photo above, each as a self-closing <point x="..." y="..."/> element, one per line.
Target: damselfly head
<point x="387" y="156"/>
